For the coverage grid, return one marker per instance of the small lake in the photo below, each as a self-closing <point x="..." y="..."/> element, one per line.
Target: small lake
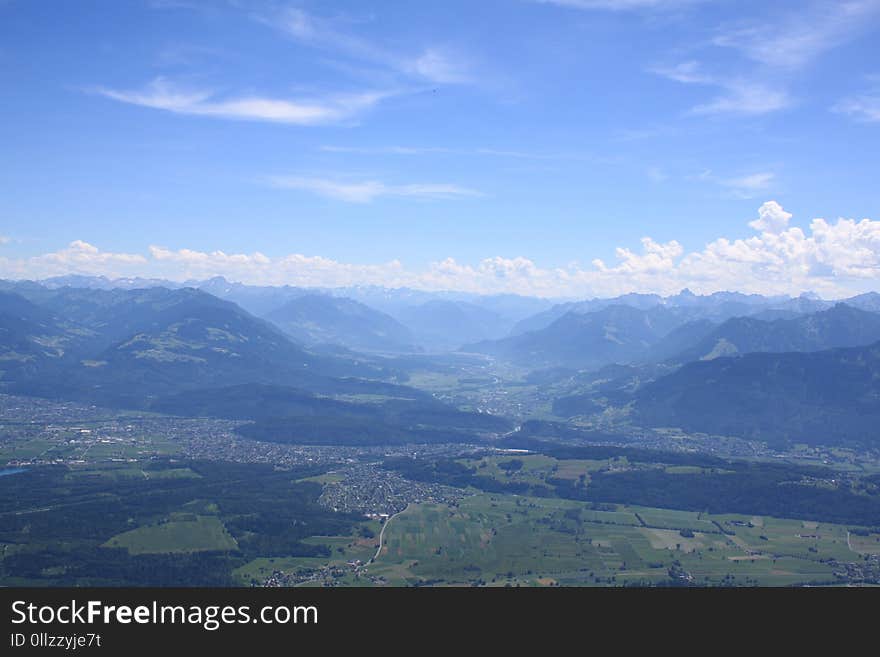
<point x="11" y="471"/>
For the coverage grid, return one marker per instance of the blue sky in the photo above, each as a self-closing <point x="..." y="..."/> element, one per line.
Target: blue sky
<point x="504" y="145"/>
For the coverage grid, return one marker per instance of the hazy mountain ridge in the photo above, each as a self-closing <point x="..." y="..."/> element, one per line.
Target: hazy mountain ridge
<point x="130" y="344"/>
<point x="30" y="336"/>
<point x="442" y="324"/>
<point x="477" y="316"/>
<point x="322" y="319"/>
<point x="840" y="326"/>
<point x="717" y="306"/>
<point x="185" y="352"/>
<point x="681" y="327"/>
<point x="614" y="334"/>
<point x="822" y="397"/>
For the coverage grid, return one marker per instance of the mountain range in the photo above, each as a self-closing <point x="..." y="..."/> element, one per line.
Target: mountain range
<point x="824" y="397"/>
<point x="685" y="327"/>
<point x="183" y="351"/>
<point x="432" y="320"/>
<point x="322" y="319"/>
<point x="121" y="345"/>
<point x="315" y="365"/>
<point x="840" y="326"/>
<point x="614" y="334"/>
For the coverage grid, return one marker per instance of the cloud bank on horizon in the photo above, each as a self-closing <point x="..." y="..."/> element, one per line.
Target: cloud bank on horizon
<point x="831" y="259"/>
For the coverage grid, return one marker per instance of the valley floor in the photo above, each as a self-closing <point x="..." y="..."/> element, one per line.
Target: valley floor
<point x="509" y="540"/>
<point x="88" y="498"/>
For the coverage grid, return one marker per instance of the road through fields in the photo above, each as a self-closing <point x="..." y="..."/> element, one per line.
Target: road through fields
<point x="382" y="534"/>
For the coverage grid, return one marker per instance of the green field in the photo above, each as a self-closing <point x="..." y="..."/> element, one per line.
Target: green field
<point x="536" y="468"/>
<point x="121" y="471"/>
<point x="498" y="540"/>
<point x="71" y="446"/>
<point x="672" y="519"/>
<point x="329" y="478"/>
<point x="869" y="544"/>
<point x="182" y="533"/>
<point x="525" y="519"/>
<point x="345" y="549"/>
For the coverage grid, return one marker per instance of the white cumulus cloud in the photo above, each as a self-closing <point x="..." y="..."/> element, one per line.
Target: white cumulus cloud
<point x="771" y="218"/>
<point x="78" y="257"/>
<point x="833" y="258"/>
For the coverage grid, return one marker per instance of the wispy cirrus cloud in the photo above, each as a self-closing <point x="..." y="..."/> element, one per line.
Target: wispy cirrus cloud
<point x="367" y="191"/>
<point x="862" y="108"/>
<point x="745" y="97"/>
<point x="163" y="95"/>
<point x="686" y="72"/>
<point x="738" y="95"/>
<point x="781" y="45"/>
<point x="435" y="64"/>
<point x="311" y="30"/>
<point x="441" y="66"/>
<point x="175" y="4"/>
<point x="620" y="5"/>
<point x="742" y="187"/>
<point x="797" y="38"/>
<point x="441" y="150"/>
<point x="833" y="258"/>
<point x="388" y="150"/>
<point x="656" y="174"/>
<point x="752" y="183"/>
